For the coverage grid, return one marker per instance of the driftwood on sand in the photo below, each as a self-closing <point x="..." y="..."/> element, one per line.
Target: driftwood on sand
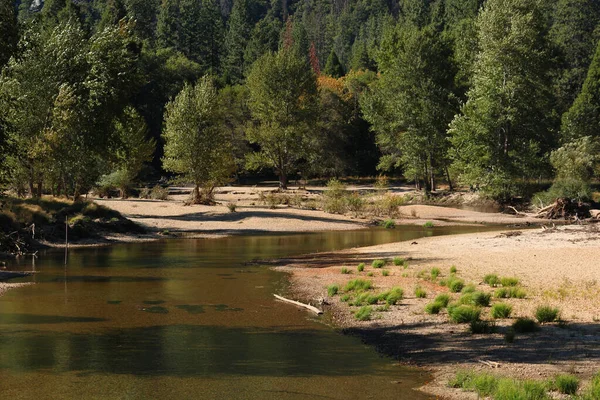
<point x="297" y="303"/>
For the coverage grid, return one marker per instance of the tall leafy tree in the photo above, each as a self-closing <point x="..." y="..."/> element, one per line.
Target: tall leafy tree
<point x="283" y="103"/>
<point x="411" y="105"/>
<point x="196" y="144"/>
<point x="505" y="128"/>
<point x="9" y="33"/>
<point x="236" y="40"/>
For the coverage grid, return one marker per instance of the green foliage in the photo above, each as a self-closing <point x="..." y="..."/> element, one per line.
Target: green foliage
<point x="464" y="314"/>
<point x="434" y="307"/>
<point x="392" y="296"/>
<point x="364" y="313"/>
<point x="385" y="272"/>
<point x="388" y="224"/>
<point x="482" y="327"/>
<point x="361" y="267"/>
<point x="491" y="279"/>
<point x="546" y="314"/>
<point x="470" y="288"/>
<point x="9" y="31"/>
<point x="398" y="261"/>
<point x="510" y="292"/>
<point x="525" y="325"/>
<point x="481" y="299"/>
<point x="509" y="281"/>
<point x="420" y="293"/>
<point x="501" y="310"/>
<point x="333" y="67"/>
<point x="283" y="101"/>
<point x="345" y="297"/>
<point x="566" y="384"/>
<point x="196" y="145"/>
<point x="453" y="269"/>
<point x="509" y="389"/>
<point x="455" y="285"/>
<point x="346" y="270"/>
<point x="435" y="272"/>
<point x="443" y="299"/>
<point x="332" y="290"/>
<point x="358" y="285"/>
<point x="378" y="263"/>
<point x="428" y="224"/>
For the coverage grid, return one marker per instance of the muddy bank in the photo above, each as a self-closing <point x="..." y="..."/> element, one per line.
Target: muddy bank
<point x="556" y="267"/>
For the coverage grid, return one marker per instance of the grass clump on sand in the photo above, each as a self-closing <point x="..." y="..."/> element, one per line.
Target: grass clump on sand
<point x="435" y="272"/>
<point x="481" y="327"/>
<point x="509" y="281"/>
<point x="364" y="313"/>
<point x="565" y="384"/>
<point x="332" y="290"/>
<point x="481" y="299"/>
<point x="358" y="285"/>
<point x="393" y="296"/>
<point x="462" y="314"/>
<point x="487" y="385"/>
<point x="510" y="293"/>
<point x="398" y="261"/>
<point x="470" y="288"/>
<point x="525" y="325"/>
<point x="546" y="314"/>
<point x="491" y="279"/>
<point x="501" y="310"/>
<point x="420" y="293"/>
<point x="455" y="285"/>
<point x="428" y="224"/>
<point x="361" y="267"/>
<point x="346" y="271"/>
<point x="453" y="269"/>
<point x="385" y="272"/>
<point x="345" y="298"/>
<point x="388" y="224"/>
<point x="434" y="307"/>
<point x="443" y="298"/>
<point x="378" y="263"/>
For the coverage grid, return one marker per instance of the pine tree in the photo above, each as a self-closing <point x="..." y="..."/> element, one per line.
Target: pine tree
<point x="505" y="126"/>
<point x="9" y="34"/>
<point x="190" y="28"/>
<point x="145" y="14"/>
<point x="236" y="41"/>
<point x="264" y="38"/>
<point x="114" y="11"/>
<point x="211" y="37"/>
<point x="333" y="67"/>
<point x="167" y="29"/>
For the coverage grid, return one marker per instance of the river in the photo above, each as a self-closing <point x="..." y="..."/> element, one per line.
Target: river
<point x="187" y="318"/>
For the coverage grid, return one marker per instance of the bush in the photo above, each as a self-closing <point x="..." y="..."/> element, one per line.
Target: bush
<point x="358" y="285"/>
<point x="566" y="384"/>
<point x="481" y="299"/>
<point x="388" y="224"/>
<point x="345" y="270"/>
<point x="481" y="327"/>
<point x="464" y="314"/>
<point x="443" y="299"/>
<point x="361" y="267"/>
<point x="399" y="261"/>
<point x="509" y="281"/>
<point x="385" y="272"/>
<point x="546" y="314"/>
<point x="525" y="325"/>
<point x="428" y="224"/>
<point x="501" y="310"/>
<point x="364" y="313"/>
<point x="455" y="285"/>
<point x="231" y="206"/>
<point x="159" y="193"/>
<point x="435" y="272"/>
<point x="434" y="307"/>
<point x="387" y="205"/>
<point x="334" y="205"/>
<point x="453" y="269"/>
<point x="356" y="204"/>
<point x="332" y="290"/>
<point x="393" y="296"/>
<point x="378" y="263"/>
<point x="491" y="279"/>
<point x="420" y="293"/>
<point x="144" y="193"/>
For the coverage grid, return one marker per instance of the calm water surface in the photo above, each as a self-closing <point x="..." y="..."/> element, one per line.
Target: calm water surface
<point x="187" y="318"/>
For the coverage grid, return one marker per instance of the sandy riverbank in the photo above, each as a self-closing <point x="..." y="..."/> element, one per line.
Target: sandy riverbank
<point x="557" y="267"/>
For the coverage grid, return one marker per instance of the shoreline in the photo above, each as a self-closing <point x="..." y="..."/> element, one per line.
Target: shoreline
<point x="555" y="267"/>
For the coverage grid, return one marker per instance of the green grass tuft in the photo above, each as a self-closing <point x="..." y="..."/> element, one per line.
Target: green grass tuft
<point x="455" y="285"/>
<point x="491" y="279"/>
<point x="501" y="310"/>
<point x="388" y="224"/>
<point x="509" y="281"/>
<point x="378" y="263"/>
<point x="566" y="384"/>
<point x="345" y="297"/>
<point x="470" y="288"/>
<point x="346" y="271"/>
<point x="482" y="327"/>
<point x="361" y="267"/>
<point x="393" y="296"/>
<point x="546" y="314"/>
<point x="464" y="314"/>
<point x="364" y="313"/>
<point x="399" y="261"/>
<point x="482" y="299"/>
<point x="453" y="269"/>
<point x="332" y="290"/>
<point x="443" y="298"/>
<point x="385" y="272"/>
<point x="510" y="292"/>
<point x="435" y="272"/>
<point x="420" y="293"/>
<point x="434" y="307"/>
<point x="525" y="325"/>
<point x="358" y="285"/>
<point x="428" y="224"/>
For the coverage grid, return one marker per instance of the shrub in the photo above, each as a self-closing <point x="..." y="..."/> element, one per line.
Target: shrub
<point x="356" y="204"/>
<point x="443" y="299"/>
<point x="481" y="299"/>
<point x="332" y="290"/>
<point x="546" y="314"/>
<point x="388" y="224"/>
<point x="566" y="384"/>
<point x="387" y="205"/>
<point x="385" y="272"/>
<point x="345" y="270"/>
<point x="480" y="327"/>
<point x="358" y="285"/>
<point x="364" y="313"/>
<point x="394" y="296"/>
<point x="420" y="293"/>
<point x="434" y="307"/>
<point x="381" y="183"/>
<point x="231" y="206"/>
<point x="455" y="285"/>
<point x="501" y="310"/>
<point x="334" y="205"/>
<point x="464" y="314"/>
<point x="144" y="193"/>
<point x="491" y="279"/>
<point x="378" y="263"/>
<point x="461" y="380"/>
<point x="361" y="267"/>
<point x="435" y="272"/>
<point x="159" y="193"/>
<point x="525" y="325"/>
<point x="399" y="261"/>
<point x="453" y="269"/>
<point x="509" y="281"/>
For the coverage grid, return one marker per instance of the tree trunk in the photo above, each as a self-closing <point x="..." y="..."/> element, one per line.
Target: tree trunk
<point x="40" y="186"/>
<point x="196" y="195"/>
<point x="449" y="181"/>
<point x="283" y="180"/>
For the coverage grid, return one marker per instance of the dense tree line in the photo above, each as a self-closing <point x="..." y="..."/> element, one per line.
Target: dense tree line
<point x="489" y="94"/>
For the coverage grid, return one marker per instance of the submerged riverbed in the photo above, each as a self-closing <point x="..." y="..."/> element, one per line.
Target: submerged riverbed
<point x="187" y="318"/>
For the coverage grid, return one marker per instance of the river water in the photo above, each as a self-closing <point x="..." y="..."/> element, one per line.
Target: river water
<point x="187" y="318"/>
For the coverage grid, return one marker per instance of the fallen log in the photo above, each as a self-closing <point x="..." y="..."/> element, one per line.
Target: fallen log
<point x="297" y="303"/>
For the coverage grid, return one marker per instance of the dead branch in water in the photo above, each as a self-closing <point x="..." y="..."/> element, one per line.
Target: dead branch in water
<point x="297" y="303"/>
